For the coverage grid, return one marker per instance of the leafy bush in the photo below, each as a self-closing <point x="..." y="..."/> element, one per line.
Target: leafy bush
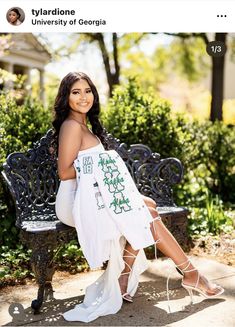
<point x="137" y="117"/>
<point x="212" y="218"/>
<point x="70" y="258"/>
<point x="209" y="160"/>
<point x="20" y="127"/>
<point x="14" y="265"/>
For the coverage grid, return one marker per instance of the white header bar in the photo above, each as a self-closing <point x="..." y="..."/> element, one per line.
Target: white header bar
<point x="121" y="16"/>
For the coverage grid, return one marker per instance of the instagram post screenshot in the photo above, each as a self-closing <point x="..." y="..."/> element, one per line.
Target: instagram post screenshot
<point x="117" y="163"/>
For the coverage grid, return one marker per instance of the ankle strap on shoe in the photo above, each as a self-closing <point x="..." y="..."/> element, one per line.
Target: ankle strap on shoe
<point x="183" y="270"/>
<point x="183" y="263"/>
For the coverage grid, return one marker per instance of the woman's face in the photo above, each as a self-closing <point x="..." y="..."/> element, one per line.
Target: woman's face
<point x="13" y="17"/>
<point x="81" y="97"/>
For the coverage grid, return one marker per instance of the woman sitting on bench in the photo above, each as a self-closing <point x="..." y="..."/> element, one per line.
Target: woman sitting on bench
<point x="113" y="220"/>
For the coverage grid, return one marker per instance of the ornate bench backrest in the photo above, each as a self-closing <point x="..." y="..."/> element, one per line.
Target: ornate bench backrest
<point x="33" y="180"/>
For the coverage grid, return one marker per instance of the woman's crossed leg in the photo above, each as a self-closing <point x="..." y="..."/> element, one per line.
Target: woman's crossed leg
<point x="168" y="245"/>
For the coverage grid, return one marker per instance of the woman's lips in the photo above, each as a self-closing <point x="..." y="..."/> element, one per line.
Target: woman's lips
<point x="83" y="103"/>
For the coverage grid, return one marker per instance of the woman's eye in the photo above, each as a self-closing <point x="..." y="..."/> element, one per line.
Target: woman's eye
<point x="77" y="92"/>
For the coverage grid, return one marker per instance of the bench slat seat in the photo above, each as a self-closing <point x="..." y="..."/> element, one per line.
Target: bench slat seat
<point x="39" y="226"/>
<point x="172" y="211"/>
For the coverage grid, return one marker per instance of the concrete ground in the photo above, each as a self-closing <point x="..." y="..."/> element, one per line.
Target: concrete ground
<point x="149" y="307"/>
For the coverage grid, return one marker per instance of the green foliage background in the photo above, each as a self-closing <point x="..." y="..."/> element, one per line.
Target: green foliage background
<point x="134" y="116"/>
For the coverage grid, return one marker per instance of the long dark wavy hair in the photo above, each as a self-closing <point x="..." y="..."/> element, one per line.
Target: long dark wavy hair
<point x="62" y="108"/>
<point x="16" y="11"/>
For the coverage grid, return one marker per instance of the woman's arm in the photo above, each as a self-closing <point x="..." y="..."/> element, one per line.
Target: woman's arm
<point x="70" y="139"/>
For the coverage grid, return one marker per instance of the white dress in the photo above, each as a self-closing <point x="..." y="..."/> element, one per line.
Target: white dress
<point x="101" y="237"/>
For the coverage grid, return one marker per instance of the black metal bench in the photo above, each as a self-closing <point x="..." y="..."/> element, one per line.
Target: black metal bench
<point x="33" y="182"/>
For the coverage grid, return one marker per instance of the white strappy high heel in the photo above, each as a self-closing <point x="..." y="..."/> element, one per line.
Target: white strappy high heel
<point x="191" y="288"/>
<point x="126" y="296"/>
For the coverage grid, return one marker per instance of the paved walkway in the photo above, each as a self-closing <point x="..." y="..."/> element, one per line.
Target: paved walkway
<point x="149" y="307"/>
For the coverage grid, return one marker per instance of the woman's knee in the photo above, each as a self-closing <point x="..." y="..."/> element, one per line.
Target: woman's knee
<point x="64" y="202"/>
<point x="153" y="212"/>
<point x="64" y="214"/>
<point x="150" y="203"/>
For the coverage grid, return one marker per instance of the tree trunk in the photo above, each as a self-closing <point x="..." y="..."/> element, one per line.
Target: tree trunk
<point x="217" y="87"/>
<point x="106" y="61"/>
<point x="116" y="73"/>
<point x="111" y="74"/>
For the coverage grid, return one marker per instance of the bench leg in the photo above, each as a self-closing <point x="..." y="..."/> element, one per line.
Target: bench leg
<point x="43" y="268"/>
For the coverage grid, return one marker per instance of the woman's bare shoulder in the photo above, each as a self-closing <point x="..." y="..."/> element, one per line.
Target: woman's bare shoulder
<point x="71" y="124"/>
<point x="71" y="129"/>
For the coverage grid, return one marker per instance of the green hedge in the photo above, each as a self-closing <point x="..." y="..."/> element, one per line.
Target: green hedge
<point x="209" y="159"/>
<point x="136" y="117"/>
<point x="20" y="127"/>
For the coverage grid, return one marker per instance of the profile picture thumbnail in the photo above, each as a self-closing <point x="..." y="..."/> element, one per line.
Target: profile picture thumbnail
<point x="15" y="16"/>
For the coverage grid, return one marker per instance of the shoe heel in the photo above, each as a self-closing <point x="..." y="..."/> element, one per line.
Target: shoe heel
<point x="190" y="292"/>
